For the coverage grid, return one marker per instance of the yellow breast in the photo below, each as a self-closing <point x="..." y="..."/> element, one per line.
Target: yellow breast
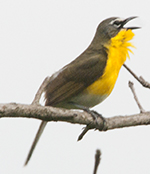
<point x="118" y="51"/>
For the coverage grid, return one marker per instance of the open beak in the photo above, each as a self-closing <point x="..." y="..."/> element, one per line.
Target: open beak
<point x="127" y="20"/>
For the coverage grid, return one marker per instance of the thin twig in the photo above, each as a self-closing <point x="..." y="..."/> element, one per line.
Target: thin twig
<point x="139" y="79"/>
<point x="40" y="91"/>
<point x="97" y="160"/>
<point x="131" y="85"/>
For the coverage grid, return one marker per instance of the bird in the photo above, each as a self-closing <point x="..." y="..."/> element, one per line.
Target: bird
<point x="91" y="77"/>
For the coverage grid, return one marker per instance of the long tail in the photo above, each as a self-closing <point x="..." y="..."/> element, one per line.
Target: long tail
<point x="36" y="139"/>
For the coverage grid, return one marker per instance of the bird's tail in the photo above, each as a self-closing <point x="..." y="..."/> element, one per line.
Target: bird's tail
<point x="36" y="139"/>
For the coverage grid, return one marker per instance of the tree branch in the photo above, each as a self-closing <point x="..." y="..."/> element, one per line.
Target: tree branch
<point x="139" y="79"/>
<point x="97" y="160"/>
<point x="14" y="110"/>
<point x="131" y="85"/>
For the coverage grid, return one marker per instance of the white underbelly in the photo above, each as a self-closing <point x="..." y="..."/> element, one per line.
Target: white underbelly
<point x="88" y="100"/>
<point x="82" y="99"/>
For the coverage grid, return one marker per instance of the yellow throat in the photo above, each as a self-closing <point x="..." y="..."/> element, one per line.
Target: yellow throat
<point x="118" y="51"/>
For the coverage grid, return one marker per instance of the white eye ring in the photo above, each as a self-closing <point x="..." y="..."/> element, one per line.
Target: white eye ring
<point x="116" y="20"/>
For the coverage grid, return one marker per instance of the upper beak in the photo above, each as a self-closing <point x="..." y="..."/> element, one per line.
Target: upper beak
<point x="127" y="20"/>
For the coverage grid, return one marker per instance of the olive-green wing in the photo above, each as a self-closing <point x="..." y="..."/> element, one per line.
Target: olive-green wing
<point x="74" y="78"/>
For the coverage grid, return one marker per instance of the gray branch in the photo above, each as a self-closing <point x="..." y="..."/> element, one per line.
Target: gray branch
<point x="140" y="79"/>
<point x="76" y="117"/>
<point x="97" y="160"/>
<point x="131" y="85"/>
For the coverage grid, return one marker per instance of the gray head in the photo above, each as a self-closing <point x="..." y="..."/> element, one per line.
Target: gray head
<point x="110" y="27"/>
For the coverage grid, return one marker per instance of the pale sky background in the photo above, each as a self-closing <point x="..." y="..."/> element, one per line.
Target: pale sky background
<point x="37" y="38"/>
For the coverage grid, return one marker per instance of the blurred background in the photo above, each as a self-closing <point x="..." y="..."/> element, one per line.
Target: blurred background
<point x="37" y="38"/>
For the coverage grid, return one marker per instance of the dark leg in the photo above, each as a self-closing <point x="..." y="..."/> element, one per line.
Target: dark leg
<point x="93" y="113"/>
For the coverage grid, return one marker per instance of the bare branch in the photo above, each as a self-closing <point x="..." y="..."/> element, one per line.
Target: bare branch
<point x="140" y="79"/>
<point x="57" y="114"/>
<point x="131" y="85"/>
<point x="97" y="160"/>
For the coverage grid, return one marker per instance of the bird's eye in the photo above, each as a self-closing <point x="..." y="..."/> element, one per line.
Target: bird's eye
<point x="116" y="23"/>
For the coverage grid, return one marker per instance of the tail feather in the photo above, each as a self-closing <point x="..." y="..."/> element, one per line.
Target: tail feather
<point x="37" y="137"/>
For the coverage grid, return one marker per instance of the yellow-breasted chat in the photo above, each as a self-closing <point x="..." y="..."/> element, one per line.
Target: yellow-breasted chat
<point x="90" y="78"/>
